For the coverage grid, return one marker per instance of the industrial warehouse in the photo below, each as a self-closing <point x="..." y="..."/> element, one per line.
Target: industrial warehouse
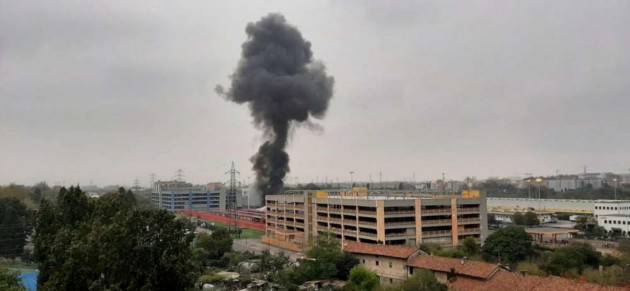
<point x="360" y="215"/>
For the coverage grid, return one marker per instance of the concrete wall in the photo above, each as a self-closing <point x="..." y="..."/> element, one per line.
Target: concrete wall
<point x="568" y="205"/>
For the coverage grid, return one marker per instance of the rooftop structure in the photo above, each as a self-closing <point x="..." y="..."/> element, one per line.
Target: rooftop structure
<point x="357" y="215"/>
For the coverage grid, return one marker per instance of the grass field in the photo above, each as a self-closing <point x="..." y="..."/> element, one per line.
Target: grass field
<point x="245" y="233"/>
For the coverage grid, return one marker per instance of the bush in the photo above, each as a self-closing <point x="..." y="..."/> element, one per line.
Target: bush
<point x="210" y="279"/>
<point x="9" y="281"/>
<point x="613" y="275"/>
<point x="572" y="259"/>
<point x="361" y="279"/>
<point x="530" y="269"/>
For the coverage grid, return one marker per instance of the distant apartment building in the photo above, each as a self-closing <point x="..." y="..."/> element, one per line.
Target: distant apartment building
<point x="613" y="215"/>
<point x="179" y="195"/>
<point x="563" y="183"/>
<point x="596" y="180"/>
<point x="410" y="219"/>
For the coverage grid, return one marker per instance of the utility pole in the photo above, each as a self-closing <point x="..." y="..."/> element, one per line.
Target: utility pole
<point x="136" y="184"/>
<point x="529" y="185"/>
<point x="380" y="179"/>
<point x="152" y="180"/>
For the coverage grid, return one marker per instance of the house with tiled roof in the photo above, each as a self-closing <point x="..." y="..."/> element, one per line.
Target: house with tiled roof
<point x="504" y="280"/>
<point x="387" y="261"/>
<point x="446" y="269"/>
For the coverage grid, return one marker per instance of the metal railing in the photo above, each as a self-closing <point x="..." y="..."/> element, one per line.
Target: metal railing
<point x="436" y="233"/>
<point x="435" y="211"/>
<point x="436" y="221"/>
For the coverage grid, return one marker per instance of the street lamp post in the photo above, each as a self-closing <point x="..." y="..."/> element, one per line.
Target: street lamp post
<point x="539" y="181"/>
<point x="616" y="183"/>
<point x="351" y="179"/>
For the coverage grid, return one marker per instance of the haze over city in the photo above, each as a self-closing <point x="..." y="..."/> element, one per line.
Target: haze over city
<point x="112" y="91"/>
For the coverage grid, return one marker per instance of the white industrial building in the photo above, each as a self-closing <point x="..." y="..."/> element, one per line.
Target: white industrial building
<point x="613" y="215"/>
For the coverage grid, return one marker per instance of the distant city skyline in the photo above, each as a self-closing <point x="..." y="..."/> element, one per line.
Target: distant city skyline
<point x="113" y="91"/>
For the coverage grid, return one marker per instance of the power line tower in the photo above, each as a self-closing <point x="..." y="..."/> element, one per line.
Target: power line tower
<point x="230" y="197"/>
<point x="232" y="188"/>
<point x="136" y="184"/>
<point x="179" y="175"/>
<point x="152" y="180"/>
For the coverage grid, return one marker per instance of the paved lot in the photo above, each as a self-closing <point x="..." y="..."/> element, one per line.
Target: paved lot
<point x="256" y="246"/>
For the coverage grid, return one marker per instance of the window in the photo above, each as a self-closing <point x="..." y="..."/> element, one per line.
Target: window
<point x="390" y="264"/>
<point x="391" y="280"/>
<point x="363" y="261"/>
<point x="376" y="262"/>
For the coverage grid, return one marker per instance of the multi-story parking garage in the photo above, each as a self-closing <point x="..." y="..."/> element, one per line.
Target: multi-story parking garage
<point x="402" y="219"/>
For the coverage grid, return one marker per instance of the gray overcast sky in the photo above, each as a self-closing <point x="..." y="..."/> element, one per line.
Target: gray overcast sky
<point x="108" y="91"/>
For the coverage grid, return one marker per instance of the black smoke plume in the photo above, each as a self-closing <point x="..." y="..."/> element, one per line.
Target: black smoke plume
<point x="284" y="87"/>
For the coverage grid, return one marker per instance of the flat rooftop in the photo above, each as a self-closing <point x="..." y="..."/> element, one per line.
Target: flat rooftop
<point x="550" y="230"/>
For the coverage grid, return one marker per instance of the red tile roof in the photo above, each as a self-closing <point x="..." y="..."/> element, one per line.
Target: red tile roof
<point x="442" y="264"/>
<point x="378" y="250"/>
<point x="504" y="280"/>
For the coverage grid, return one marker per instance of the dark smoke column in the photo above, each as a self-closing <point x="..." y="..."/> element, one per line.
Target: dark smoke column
<point x="283" y="86"/>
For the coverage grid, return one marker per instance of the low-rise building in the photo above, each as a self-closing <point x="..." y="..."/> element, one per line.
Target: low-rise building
<point x="390" y="263"/>
<point x="505" y="215"/>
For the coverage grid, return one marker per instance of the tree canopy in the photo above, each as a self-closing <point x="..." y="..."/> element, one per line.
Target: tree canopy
<point x="108" y="244"/>
<point x="14" y="227"/>
<point x="210" y="249"/>
<point x="361" y="279"/>
<point x="510" y="244"/>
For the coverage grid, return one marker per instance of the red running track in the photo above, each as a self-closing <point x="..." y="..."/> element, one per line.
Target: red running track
<point x="223" y="219"/>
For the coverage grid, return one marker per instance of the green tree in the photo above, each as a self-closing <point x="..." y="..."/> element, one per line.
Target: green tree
<point x="422" y="280"/>
<point x="572" y="258"/>
<point x="211" y="248"/>
<point x="9" y="281"/>
<point x="510" y="244"/>
<point x="325" y="260"/>
<point x="530" y="218"/>
<point x="83" y="244"/>
<point x="361" y="279"/>
<point x="470" y="246"/>
<point x="518" y="218"/>
<point x="14" y="227"/>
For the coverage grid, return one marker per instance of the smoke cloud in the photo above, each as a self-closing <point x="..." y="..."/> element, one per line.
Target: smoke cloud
<point x="283" y="87"/>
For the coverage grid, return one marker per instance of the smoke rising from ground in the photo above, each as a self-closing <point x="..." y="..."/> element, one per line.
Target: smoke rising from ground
<point x="283" y="87"/>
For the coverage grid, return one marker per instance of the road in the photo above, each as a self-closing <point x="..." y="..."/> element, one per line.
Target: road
<point x="256" y="246"/>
